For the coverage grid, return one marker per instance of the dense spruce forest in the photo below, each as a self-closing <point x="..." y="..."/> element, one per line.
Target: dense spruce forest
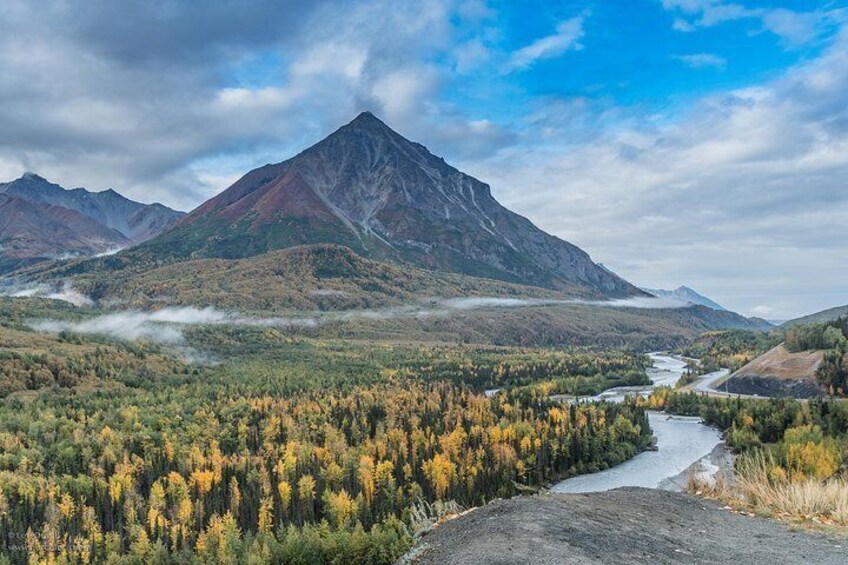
<point x="279" y="448"/>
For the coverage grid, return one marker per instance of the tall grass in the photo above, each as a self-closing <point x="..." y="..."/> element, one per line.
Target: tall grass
<point x="766" y="490"/>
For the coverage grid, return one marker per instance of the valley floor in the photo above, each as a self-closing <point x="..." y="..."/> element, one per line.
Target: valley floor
<point x="630" y="525"/>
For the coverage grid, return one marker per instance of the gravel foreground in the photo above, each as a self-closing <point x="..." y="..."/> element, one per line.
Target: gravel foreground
<point x="629" y="525"/>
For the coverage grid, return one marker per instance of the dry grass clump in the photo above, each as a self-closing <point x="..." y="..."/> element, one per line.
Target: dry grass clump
<point x="761" y="487"/>
<point x="715" y="487"/>
<point x="800" y="498"/>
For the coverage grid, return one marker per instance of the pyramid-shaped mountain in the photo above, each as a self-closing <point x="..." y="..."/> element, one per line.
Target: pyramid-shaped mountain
<point x="368" y="188"/>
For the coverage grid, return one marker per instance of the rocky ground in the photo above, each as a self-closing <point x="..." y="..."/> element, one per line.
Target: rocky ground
<point x="631" y="525"/>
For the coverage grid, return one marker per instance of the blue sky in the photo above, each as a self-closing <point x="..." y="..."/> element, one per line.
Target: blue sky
<point x="697" y="142"/>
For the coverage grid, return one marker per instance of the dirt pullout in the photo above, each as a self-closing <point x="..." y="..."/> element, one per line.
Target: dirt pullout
<point x="778" y="372"/>
<point x="630" y="525"/>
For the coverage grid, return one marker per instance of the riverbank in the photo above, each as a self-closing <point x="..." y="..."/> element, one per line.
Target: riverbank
<point x="629" y="525"/>
<point x="680" y="442"/>
<point x="716" y="466"/>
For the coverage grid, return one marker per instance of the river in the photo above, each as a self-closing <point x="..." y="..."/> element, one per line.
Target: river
<point x="665" y="372"/>
<point x="681" y="441"/>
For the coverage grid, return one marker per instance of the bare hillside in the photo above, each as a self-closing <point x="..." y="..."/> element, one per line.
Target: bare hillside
<point x="778" y="372"/>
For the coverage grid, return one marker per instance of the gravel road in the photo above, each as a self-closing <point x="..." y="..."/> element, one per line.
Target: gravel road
<point x="630" y="525"/>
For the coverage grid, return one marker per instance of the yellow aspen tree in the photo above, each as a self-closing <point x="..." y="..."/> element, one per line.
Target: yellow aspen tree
<point x="202" y="481"/>
<point x="284" y="489"/>
<point x="366" y="477"/>
<point x="235" y="496"/>
<point x="306" y="493"/>
<point x="340" y="507"/>
<point x="440" y="471"/>
<point x="266" y="515"/>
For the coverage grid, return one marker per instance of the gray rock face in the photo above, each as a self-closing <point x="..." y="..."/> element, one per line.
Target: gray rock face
<point x="391" y="197"/>
<point x="771" y="387"/>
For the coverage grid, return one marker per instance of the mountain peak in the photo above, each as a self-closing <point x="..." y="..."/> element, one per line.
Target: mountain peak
<point x="131" y="221"/>
<point x="386" y="197"/>
<point x="368" y="122"/>
<point x="30" y="185"/>
<point x="686" y="294"/>
<point x="367" y="117"/>
<point x="30" y="179"/>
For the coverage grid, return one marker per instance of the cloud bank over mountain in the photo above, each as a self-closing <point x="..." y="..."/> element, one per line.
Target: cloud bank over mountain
<point x="669" y="160"/>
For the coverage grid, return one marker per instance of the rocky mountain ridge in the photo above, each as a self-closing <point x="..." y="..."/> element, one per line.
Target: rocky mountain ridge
<point x="40" y="220"/>
<point x="369" y="188"/>
<point x="136" y="221"/>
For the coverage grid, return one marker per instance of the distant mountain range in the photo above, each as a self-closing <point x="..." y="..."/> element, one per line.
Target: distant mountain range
<point x="368" y="219"/>
<point x="40" y="220"/>
<point x="685" y="294"/>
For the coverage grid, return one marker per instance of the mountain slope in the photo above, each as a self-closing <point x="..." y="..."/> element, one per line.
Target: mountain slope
<point x="32" y="231"/>
<point x="302" y="278"/>
<point x="367" y="187"/>
<point x="137" y="222"/>
<point x="819" y="317"/>
<point x="687" y="295"/>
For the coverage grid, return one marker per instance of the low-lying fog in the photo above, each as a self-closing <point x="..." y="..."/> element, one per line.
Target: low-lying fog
<point x="166" y="325"/>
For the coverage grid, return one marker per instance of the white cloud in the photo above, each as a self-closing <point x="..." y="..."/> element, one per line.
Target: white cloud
<point x="702" y="60"/>
<point x="794" y="28"/>
<point x="267" y="98"/>
<point x="162" y="326"/>
<point x="63" y="291"/>
<point x="761" y="311"/>
<point x="344" y="59"/>
<point x="470" y="55"/>
<point x="122" y="98"/>
<point x="744" y="197"/>
<point x="566" y="38"/>
<point x="402" y="93"/>
<point x="166" y="325"/>
<point x="680" y="24"/>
